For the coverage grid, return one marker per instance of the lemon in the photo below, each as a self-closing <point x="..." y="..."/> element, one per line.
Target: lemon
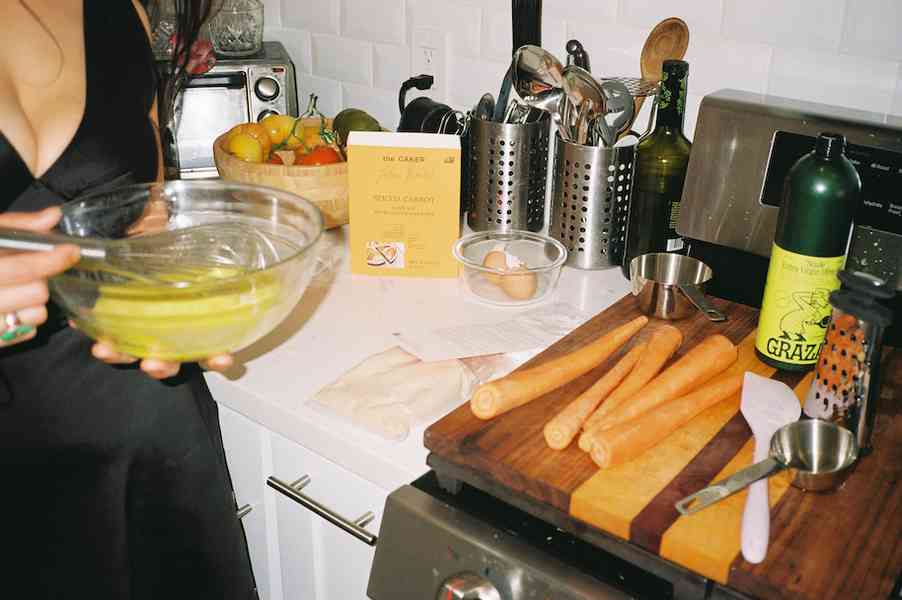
<point x="278" y="127"/>
<point x="246" y="147"/>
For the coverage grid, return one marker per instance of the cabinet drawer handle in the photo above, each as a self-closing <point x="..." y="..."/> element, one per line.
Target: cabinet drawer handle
<point x="355" y="527"/>
<point x="243" y="510"/>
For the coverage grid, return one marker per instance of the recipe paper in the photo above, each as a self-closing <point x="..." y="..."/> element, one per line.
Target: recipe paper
<point x="404" y="195"/>
<point x="532" y="330"/>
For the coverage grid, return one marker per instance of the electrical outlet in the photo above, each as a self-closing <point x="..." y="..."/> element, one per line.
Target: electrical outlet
<point x="428" y="58"/>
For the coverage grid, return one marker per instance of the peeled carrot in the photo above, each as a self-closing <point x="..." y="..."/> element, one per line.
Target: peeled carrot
<point x="708" y="358"/>
<point x="625" y="441"/>
<point x="661" y="346"/>
<point x="518" y="388"/>
<point x="560" y="430"/>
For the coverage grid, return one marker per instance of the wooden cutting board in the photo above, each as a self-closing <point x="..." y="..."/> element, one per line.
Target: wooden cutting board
<point x="635" y="501"/>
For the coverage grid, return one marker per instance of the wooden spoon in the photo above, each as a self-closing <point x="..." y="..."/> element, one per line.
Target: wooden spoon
<point x="668" y="40"/>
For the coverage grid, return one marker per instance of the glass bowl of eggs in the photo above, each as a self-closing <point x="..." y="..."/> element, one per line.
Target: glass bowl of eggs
<point x="509" y="268"/>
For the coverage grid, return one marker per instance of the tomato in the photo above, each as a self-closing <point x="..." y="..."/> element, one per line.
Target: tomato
<point x="321" y="155"/>
<point x="246" y="147"/>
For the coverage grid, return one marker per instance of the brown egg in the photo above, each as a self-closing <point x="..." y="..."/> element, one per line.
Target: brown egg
<point x="519" y="284"/>
<point x="495" y="259"/>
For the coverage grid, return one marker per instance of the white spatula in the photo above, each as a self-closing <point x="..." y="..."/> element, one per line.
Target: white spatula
<point x="767" y="405"/>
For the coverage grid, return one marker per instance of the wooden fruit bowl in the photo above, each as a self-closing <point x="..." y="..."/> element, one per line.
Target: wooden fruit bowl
<point x="326" y="186"/>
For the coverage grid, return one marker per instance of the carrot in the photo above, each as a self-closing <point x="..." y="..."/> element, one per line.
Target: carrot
<point x="518" y="388"/>
<point x="560" y="430"/>
<point x="708" y="358"/>
<point x="662" y="344"/>
<point x="627" y="440"/>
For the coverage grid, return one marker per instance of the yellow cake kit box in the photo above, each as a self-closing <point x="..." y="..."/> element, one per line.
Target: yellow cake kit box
<point x="404" y="196"/>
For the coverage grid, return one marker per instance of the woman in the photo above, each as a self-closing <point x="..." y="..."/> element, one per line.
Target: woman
<point x="114" y="477"/>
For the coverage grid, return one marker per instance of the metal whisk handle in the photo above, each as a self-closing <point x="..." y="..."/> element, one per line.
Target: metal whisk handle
<point x="30" y="241"/>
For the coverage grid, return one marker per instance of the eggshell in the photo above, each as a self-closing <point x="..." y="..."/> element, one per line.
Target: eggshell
<point x="519" y="284"/>
<point x="495" y="259"/>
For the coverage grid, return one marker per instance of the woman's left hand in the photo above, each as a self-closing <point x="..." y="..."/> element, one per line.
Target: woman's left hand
<point x="158" y="369"/>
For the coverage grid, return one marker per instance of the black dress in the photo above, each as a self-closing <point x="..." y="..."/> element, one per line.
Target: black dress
<point x="112" y="485"/>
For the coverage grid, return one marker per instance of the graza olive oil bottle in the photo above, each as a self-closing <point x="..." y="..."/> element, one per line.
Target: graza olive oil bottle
<point x="820" y="196"/>
<point x="662" y="157"/>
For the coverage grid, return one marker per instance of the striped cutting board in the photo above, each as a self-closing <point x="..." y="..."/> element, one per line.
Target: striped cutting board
<point x="635" y="501"/>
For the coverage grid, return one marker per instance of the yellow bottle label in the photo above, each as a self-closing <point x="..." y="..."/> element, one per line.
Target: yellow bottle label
<point x="796" y="308"/>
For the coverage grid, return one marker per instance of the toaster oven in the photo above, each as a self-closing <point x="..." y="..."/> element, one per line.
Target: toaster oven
<point x="234" y="91"/>
<point x="744" y="145"/>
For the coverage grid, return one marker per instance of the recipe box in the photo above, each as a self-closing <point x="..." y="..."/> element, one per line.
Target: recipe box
<point x="404" y="196"/>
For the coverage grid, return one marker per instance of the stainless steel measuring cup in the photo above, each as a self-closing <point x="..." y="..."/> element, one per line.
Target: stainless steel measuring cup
<point x="672" y="286"/>
<point x="817" y="453"/>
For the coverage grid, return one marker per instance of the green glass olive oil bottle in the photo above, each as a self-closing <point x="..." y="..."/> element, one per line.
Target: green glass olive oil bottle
<point x="662" y="157"/>
<point x="820" y="196"/>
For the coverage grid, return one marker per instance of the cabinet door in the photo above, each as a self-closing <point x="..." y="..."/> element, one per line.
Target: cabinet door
<point x="341" y="563"/>
<point x="244" y="448"/>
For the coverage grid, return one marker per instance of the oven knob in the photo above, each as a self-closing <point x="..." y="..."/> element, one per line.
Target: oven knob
<point x="266" y="88"/>
<point x="467" y="586"/>
<point x="265" y="113"/>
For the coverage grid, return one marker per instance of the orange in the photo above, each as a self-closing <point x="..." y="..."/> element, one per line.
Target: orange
<point x="246" y="147"/>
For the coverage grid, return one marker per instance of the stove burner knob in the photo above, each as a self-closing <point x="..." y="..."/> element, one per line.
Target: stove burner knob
<point x="265" y="113"/>
<point x="467" y="586"/>
<point x="266" y="88"/>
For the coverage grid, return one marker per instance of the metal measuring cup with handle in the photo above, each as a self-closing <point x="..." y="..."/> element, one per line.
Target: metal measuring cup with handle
<point x="817" y="453"/>
<point x="672" y="286"/>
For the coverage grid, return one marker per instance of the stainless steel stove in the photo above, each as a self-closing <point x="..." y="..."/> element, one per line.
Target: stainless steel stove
<point x="468" y="544"/>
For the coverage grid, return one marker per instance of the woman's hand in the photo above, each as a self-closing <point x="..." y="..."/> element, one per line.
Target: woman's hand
<point x="158" y="369"/>
<point x="23" y="277"/>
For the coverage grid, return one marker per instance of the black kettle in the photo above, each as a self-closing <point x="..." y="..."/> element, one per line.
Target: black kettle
<point x="423" y="114"/>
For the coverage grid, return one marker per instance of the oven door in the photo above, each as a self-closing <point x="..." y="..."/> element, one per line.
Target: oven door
<point x="211" y="105"/>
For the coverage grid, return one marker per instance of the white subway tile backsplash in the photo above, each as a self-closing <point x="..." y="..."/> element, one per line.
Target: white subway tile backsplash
<point x="461" y="22"/>
<point x="854" y="82"/>
<point x="873" y="29"/>
<point x="842" y="52"/>
<point x="469" y="79"/>
<point x="497" y="37"/>
<point x="391" y="66"/>
<point x="376" y="21"/>
<point x="342" y="59"/>
<point x="329" y="99"/>
<point x="381" y="104"/>
<point x="810" y="24"/>
<point x="297" y="44"/>
<point x="317" y="16"/>
<point x="613" y="49"/>
<point x="272" y="14"/>
<point x="702" y="16"/>
<point x="594" y="11"/>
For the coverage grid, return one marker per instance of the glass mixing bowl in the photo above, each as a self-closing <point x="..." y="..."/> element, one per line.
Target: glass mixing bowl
<point x="193" y="268"/>
<point x="509" y="268"/>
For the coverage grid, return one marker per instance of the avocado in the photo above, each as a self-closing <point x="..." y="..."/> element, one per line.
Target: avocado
<point x="352" y="119"/>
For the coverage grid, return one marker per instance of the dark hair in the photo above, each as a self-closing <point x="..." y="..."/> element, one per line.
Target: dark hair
<point x="189" y="16"/>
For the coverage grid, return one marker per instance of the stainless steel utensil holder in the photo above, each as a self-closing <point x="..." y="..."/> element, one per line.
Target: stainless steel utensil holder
<point x="506" y="173"/>
<point x="590" y="198"/>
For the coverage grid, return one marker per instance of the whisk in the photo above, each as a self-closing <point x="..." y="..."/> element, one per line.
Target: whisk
<point x="173" y="256"/>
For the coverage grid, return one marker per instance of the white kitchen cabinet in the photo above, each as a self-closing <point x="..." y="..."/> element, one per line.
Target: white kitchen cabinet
<point x="341" y="562"/>
<point x="296" y="554"/>
<point x="244" y="443"/>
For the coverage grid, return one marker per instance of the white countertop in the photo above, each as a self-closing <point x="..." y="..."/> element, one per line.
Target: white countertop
<point x="343" y="319"/>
